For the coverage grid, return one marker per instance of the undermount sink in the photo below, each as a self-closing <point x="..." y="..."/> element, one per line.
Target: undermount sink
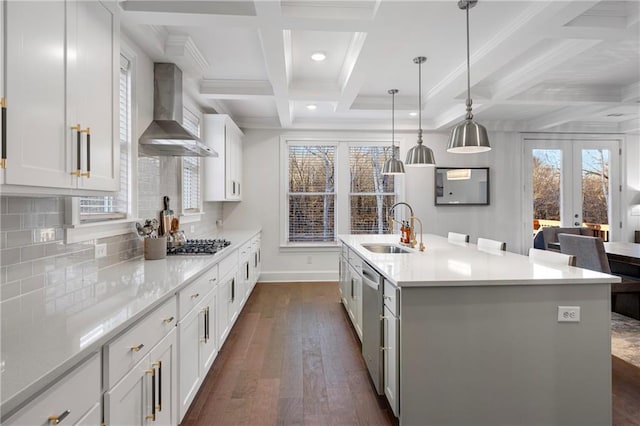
<point x="385" y="248"/>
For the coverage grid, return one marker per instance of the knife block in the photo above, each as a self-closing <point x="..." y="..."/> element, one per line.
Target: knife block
<point x="155" y="248"/>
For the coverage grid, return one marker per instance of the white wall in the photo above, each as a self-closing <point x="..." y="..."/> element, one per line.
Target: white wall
<point x="261" y="200"/>
<point x="632" y="185"/>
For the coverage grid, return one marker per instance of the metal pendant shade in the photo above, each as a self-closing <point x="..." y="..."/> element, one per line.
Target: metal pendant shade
<point x="419" y="154"/>
<point x="468" y="137"/>
<point x="393" y="166"/>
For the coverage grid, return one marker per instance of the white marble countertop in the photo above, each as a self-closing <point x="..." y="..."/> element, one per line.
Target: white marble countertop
<point x="462" y="264"/>
<point x="42" y="339"/>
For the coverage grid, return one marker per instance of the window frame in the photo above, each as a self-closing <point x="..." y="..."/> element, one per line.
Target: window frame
<point x="192" y="214"/>
<point x="74" y="229"/>
<point x="342" y="187"/>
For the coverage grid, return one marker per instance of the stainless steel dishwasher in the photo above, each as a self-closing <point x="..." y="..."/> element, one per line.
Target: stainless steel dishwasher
<point x="372" y="324"/>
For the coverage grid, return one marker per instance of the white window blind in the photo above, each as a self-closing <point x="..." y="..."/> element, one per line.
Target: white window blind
<point x="94" y="209"/>
<point x="311" y="193"/>
<point x="191" y="168"/>
<point x="371" y="194"/>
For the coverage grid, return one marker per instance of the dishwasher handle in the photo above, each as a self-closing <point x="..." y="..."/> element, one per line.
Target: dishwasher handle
<point x="370" y="280"/>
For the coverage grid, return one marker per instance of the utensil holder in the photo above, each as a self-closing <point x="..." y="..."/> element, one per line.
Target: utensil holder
<point x="155" y="248"/>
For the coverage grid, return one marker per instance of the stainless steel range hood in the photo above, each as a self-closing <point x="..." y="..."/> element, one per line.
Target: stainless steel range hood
<point x="166" y="135"/>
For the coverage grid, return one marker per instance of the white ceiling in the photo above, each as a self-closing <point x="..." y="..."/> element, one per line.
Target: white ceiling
<point x="538" y="65"/>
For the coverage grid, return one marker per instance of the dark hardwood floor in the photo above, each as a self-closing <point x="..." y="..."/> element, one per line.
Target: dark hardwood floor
<point x="293" y="358"/>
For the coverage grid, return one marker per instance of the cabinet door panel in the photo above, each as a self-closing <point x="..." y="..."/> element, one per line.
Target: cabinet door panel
<point x="222" y="311"/>
<point x="208" y="346"/>
<point x="163" y="360"/>
<point x="39" y="145"/>
<point x="391" y="367"/>
<point x="128" y="402"/>
<point x="94" y="80"/>
<point x="190" y="332"/>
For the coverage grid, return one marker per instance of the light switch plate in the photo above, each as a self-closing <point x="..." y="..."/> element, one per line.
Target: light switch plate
<point x="568" y="313"/>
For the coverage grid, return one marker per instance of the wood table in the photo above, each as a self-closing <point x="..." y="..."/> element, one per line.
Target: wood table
<point x="623" y="252"/>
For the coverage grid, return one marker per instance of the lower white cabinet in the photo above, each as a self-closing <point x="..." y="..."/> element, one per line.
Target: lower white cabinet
<point x="344" y="282"/>
<point x="354" y="300"/>
<point x="75" y="399"/>
<point x="222" y="309"/>
<point x="256" y="261"/>
<point x="146" y="395"/>
<point x="391" y="367"/>
<point x="198" y="348"/>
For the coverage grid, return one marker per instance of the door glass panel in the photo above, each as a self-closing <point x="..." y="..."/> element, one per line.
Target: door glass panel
<point x="596" y="191"/>
<point x="547" y="177"/>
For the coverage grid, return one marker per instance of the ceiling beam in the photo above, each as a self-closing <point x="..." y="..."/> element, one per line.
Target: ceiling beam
<point x="565" y="115"/>
<point x="274" y="50"/>
<point x="235" y="89"/>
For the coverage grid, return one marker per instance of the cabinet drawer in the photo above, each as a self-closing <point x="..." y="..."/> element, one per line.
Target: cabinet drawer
<point x="125" y="351"/>
<point x="391" y="296"/>
<point x="193" y="294"/>
<point x="355" y="261"/>
<point x="228" y="263"/>
<point x="77" y="392"/>
<point x="245" y="250"/>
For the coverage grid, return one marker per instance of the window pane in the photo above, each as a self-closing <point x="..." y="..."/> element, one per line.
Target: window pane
<point x="546" y="187"/>
<point x="595" y="190"/>
<point x="311" y="168"/>
<point x="311" y="218"/>
<point x="369" y="213"/>
<point x="365" y="164"/>
<point x="190" y="184"/>
<point x="94" y="209"/>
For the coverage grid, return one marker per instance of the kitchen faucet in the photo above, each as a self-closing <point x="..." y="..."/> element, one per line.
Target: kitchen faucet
<point x="412" y="234"/>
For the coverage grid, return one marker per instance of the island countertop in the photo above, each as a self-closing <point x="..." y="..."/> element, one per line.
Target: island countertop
<point x="463" y="264"/>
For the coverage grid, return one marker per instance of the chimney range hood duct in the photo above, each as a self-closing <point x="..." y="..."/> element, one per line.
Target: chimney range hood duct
<point x="165" y="135"/>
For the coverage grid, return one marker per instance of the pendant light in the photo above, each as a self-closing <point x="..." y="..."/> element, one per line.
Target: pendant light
<point x="393" y="166"/>
<point x="420" y="155"/>
<point x="468" y="136"/>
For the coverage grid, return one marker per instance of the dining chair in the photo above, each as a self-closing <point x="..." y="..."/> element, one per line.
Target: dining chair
<point x="454" y="237"/>
<point x="487" y="244"/>
<point x="589" y="251"/>
<point x="550" y="257"/>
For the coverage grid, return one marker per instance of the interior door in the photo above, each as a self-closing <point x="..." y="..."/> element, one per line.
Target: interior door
<point x="572" y="182"/>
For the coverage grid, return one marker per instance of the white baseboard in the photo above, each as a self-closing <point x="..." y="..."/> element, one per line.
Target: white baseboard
<point x="297" y="276"/>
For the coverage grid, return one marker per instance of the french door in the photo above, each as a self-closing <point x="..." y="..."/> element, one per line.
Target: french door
<point x="572" y="181"/>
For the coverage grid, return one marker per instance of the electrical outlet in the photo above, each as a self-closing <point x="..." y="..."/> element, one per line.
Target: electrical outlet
<point x="101" y="251"/>
<point x="568" y="313"/>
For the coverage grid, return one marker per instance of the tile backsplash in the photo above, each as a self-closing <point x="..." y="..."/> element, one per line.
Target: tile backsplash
<point x="34" y="256"/>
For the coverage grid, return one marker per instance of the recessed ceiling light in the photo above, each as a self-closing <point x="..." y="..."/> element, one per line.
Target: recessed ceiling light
<point x="318" y="56"/>
<point x="413" y="114"/>
<point x="312" y="107"/>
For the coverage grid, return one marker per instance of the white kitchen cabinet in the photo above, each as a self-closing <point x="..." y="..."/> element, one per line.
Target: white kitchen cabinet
<point x="223" y="174"/>
<point x="344" y="281"/>
<point x="244" y="273"/>
<point x="256" y="257"/>
<point x="143" y="396"/>
<point x="196" y="334"/>
<point x="70" y="400"/>
<point x="61" y="71"/>
<point x="391" y="367"/>
<point x="222" y="309"/>
<point x="355" y="302"/>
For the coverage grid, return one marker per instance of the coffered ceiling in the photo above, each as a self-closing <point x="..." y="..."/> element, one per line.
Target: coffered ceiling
<point x="539" y="65"/>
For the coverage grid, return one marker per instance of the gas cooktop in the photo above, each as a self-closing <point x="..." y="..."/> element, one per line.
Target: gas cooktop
<point x="196" y="247"/>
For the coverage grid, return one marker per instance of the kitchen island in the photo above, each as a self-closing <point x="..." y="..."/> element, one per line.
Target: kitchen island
<point x="480" y="341"/>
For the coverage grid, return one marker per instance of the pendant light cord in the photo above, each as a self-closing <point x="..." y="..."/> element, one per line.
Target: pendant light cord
<point x="393" y="125"/>
<point x="420" y="102"/>
<point x="469" y="102"/>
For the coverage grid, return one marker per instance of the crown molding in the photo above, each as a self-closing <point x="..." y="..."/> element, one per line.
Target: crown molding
<point x="183" y="49"/>
<point x="235" y="89"/>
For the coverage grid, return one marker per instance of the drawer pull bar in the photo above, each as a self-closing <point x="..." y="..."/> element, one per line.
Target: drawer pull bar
<point x="137" y="348"/>
<point x="78" y="129"/>
<point x="3" y="159"/>
<point x="152" y="416"/>
<point x="167" y="320"/>
<point x="193" y="296"/>
<point x="159" y="365"/>
<point x="54" y="420"/>
<point x="88" y="132"/>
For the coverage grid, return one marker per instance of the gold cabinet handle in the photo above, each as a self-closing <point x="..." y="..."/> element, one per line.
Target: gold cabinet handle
<point x="211" y="280"/>
<point x="54" y="420"/>
<point x="167" y="320"/>
<point x="152" y="372"/>
<point x="136" y="348"/>
<point x="158" y="364"/>
<point x="88" y="132"/>
<point x="193" y="296"/>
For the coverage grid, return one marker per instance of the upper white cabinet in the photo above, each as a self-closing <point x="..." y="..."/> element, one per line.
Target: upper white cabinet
<point x="223" y="174"/>
<point x="61" y="89"/>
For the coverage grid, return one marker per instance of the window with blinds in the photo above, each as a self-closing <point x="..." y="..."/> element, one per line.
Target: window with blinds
<point x="95" y="209"/>
<point x="311" y="195"/>
<point x="371" y="194"/>
<point x="191" y="168"/>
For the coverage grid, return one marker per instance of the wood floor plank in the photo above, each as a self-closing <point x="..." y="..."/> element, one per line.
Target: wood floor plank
<point x="293" y="358"/>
